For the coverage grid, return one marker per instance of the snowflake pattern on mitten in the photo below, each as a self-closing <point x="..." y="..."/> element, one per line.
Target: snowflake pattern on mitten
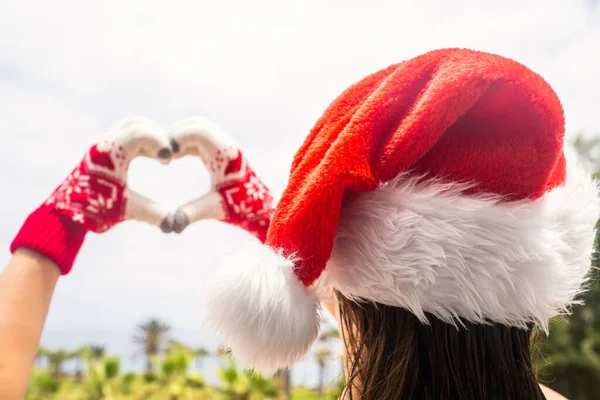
<point x="93" y="194"/>
<point x="247" y="201"/>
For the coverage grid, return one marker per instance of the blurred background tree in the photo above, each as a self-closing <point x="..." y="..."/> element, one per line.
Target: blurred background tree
<point x="152" y="337"/>
<point x="55" y="360"/>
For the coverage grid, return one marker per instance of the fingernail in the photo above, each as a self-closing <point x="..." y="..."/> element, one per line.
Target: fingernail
<point x="180" y="221"/>
<point x="164" y="153"/>
<point x="167" y="224"/>
<point x="174" y="145"/>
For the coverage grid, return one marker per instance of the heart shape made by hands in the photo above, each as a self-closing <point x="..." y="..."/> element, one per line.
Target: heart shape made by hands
<point x="96" y="194"/>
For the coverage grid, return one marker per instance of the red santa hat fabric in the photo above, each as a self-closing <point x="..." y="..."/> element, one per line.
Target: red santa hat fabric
<point x="439" y="185"/>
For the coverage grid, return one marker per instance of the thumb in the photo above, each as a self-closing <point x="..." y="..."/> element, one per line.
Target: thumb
<point x="208" y="206"/>
<point x="140" y="208"/>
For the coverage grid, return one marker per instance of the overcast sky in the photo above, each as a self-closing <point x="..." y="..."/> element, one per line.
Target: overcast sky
<point x="263" y="70"/>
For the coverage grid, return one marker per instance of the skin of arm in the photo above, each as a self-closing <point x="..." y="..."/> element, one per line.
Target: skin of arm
<point x="26" y="287"/>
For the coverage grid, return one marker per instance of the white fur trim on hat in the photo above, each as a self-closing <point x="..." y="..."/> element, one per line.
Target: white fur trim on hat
<point x="427" y="247"/>
<point x="267" y="316"/>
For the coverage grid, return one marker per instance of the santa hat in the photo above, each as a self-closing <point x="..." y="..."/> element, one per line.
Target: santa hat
<point x="438" y="185"/>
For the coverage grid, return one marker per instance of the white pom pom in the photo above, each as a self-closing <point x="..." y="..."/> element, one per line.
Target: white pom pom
<point x="267" y="316"/>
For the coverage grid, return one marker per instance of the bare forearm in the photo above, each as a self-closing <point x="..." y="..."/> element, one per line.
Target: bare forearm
<point x="93" y="198"/>
<point x="26" y="288"/>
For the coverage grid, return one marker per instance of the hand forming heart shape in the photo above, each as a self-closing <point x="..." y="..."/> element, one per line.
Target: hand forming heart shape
<point x="96" y="195"/>
<point x="236" y="196"/>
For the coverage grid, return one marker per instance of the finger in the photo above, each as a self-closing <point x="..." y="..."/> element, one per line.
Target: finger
<point x="139" y="136"/>
<point x="140" y="208"/>
<point x="201" y="137"/>
<point x="209" y="206"/>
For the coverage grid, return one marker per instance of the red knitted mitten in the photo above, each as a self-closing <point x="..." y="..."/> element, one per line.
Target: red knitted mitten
<point x="236" y="195"/>
<point x="94" y="197"/>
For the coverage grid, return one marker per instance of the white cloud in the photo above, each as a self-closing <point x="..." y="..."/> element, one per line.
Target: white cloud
<point x="264" y="70"/>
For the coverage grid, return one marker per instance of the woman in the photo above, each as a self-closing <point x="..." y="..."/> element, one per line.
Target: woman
<point x="432" y="198"/>
<point x="94" y="197"/>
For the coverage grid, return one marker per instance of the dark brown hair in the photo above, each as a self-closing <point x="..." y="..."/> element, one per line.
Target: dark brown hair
<point x="392" y="355"/>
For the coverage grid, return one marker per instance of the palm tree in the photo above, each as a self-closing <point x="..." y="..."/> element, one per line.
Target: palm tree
<point x="152" y="336"/>
<point x="55" y="359"/>
<point x="78" y="355"/>
<point x="322" y="356"/>
<point x="90" y="353"/>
